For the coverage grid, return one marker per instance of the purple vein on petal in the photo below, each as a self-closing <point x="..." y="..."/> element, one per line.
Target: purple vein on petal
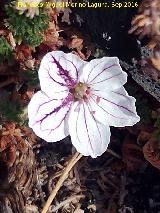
<point x="77" y="126"/>
<point x="118" y="93"/>
<point x="85" y="121"/>
<point x="64" y="73"/>
<point x="107" y="78"/>
<point x="73" y="65"/>
<point x="61" y="84"/>
<point x="120" y="106"/>
<point x="51" y="130"/>
<point x="103" y="71"/>
<point x="95" y="122"/>
<point x="67" y="101"/>
<point x="47" y="103"/>
<point x="105" y="110"/>
<point x="92" y="70"/>
<point x="125" y="96"/>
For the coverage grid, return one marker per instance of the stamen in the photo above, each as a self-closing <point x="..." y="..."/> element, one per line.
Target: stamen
<point x="81" y="92"/>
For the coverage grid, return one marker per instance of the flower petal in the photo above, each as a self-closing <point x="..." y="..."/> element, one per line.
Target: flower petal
<point x="58" y="72"/>
<point x="104" y="74"/>
<point x="115" y="108"/>
<point x="88" y="136"/>
<point x="48" y="116"/>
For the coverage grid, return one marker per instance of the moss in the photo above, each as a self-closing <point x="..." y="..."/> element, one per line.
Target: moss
<point x="5" y="50"/>
<point x="30" y="31"/>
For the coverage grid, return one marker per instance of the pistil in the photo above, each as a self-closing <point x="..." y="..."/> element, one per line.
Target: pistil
<point x="81" y="92"/>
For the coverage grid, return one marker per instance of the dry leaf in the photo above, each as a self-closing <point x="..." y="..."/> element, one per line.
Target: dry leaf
<point x="5" y="142"/>
<point x="155" y="62"/>
<point x="132" y="153"/>
<point x="31" y="209"/>
<point x="8" y="156"/>
<point x="30" y="63"/>
<point x="151" y="152"/>
<point x="79" y="211"/>
<point x="66" y="14"/>
<point x="23" y="52"/>
<point x="92" y="207"/>
<point x="143" y="137"/>
<point x="11" y="40"/>
<point x="51" y="37"/>
<point x="76" y="43"/>
<point x="10" y="126"/>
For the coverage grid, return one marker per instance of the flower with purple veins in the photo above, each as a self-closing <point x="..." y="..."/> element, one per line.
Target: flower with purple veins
<point x="81" y="99"/>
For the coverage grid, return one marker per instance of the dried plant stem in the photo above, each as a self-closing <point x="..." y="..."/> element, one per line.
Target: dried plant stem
<point x="69" y="200"/>
<point x="110" y="151"/>
<point x="70" y="165"/>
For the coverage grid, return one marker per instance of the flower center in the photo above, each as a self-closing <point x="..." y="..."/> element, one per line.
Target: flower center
<point x="81" y="92"/>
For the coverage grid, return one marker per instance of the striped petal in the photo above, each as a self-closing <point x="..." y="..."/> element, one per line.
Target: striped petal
<point x="104" y="74"/>
<point x="48" y="116"/>
<point x="58" y="72"/>
<point x="89" y="137"/>
<point x="114" y="108"/>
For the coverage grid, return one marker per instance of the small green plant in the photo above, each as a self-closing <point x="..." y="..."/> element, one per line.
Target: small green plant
<point x="30" y="31"/>
<point x="10" y="111"/>
<point x="5" y="50"/>
<point x="31" y="77"/>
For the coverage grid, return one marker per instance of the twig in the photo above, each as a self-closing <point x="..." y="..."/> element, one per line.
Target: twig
<point x="69" y="200"/>
<point x="123" y="191"/>
<point x="110" y="151"/>
<point x="52" y="177"/>
<point x="70" y="165"/>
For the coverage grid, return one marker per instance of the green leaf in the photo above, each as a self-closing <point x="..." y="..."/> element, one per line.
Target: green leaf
<point x="5" y="50"/>
<point x="29" y="30"/>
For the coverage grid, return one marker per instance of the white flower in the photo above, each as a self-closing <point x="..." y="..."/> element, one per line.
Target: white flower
<point x="81" y="99"/>
<point x="26" y="5"/>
